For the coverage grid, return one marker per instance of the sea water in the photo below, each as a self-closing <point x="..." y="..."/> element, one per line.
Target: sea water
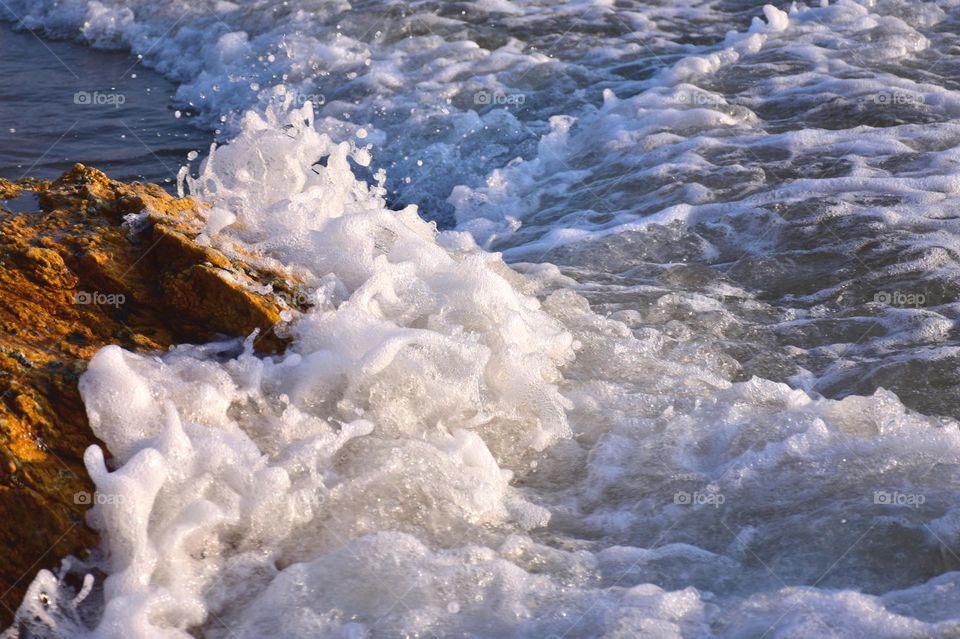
<point x="625" y="320"/>
<point x="64" y="103"/>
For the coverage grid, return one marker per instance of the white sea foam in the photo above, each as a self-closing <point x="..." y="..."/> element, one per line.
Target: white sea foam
<point x="406" y="466"/>
<point x="452" y="448"/>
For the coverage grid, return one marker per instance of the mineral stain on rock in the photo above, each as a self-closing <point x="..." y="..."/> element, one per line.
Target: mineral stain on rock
<point x="101" y="262"/>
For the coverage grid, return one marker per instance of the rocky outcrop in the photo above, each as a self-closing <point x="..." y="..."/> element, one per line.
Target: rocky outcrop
<point x="84" y="262"/>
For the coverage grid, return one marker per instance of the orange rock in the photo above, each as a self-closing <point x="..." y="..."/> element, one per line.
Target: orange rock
<point x="73" y="278"/>
<point x="8" y="189"/>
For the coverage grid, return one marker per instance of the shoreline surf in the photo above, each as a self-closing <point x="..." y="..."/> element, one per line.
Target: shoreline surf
<point x="585" y="444"/>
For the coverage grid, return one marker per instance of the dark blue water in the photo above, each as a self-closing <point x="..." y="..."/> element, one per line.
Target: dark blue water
<point x="76" y="104"/>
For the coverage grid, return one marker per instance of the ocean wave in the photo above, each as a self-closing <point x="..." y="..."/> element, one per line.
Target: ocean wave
<point x="452" y="446"/>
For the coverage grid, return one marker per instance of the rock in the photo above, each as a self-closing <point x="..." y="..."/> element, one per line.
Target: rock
<point x="8" y="189"/>
<point x="73" y="278"/>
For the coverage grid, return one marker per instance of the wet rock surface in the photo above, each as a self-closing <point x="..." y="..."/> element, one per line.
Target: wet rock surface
<point x="95" y="262"/>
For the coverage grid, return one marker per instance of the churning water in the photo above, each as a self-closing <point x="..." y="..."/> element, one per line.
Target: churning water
<point x="630" y="319"/>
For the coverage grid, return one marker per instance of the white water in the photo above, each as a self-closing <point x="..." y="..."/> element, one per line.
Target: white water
<point x="455" y="447"/>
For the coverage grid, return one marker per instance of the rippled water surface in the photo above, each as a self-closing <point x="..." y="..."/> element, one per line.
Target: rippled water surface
<point x="629" y="319"/>
<point x="65" y="103"/>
